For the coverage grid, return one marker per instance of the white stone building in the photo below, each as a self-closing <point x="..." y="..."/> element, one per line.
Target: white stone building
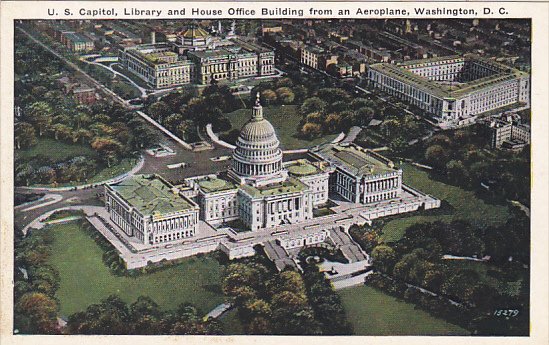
<point x="360" y="175"/>
<point x="150" y="209"/>
<point x="259" y="201"/>
<point x="196" y="58"/>
<point x="453" y="89"/>
<point x="258" y="192"/>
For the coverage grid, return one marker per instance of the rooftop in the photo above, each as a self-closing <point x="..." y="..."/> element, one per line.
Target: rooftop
<point x="194" y="32"/>
<point x="215" y="184"/>
<point x="291" y="185"/>
<point x="77" y="38"/>
<point x="402" y="72"/>
<point x="355" y="159"/>
<point x="441" y="90"/>
<point x="151" y="195"/>
<point x="431" y="60"/>
<point x="302" y="167"/>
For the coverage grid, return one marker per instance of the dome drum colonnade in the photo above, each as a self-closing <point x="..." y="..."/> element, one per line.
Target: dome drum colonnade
<point x="257" y="152"/>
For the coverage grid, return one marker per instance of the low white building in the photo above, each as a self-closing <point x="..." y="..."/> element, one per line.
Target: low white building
<point x="150" y="209"/>
<point x="453" y="88"/>
<point x="360" y="175"/>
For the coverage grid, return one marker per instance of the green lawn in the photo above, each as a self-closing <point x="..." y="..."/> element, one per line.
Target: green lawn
<point x="56" y="150"/>
<point x="125" y="165"/>
<point x="231" y="323"/>
<point x="464" y="205"/>
<point x="285" y="120"/>
<point x="86" y="280"/>
<point x="372" y="312"/>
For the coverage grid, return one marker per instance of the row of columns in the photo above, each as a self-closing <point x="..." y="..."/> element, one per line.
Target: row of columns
<point x="380" y="185"/>
<point x="164" y="226"/>
<point x="283" y="205"/>
<point x="257" y="169"/>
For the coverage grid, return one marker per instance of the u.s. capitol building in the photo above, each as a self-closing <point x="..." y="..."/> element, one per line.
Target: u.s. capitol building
<point x="261" y="192"/>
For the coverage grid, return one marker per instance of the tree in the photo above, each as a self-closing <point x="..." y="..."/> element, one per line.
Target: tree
<point x="409" y="267"/>
<point x="364" y="115"/>
<point x="268" y="96"/>
<point x="436" y="156"/>
<point x="332" y="95"/>
<point x="110" y="316"/>
<point x="82" y="136"/>
<point x="359" y="102"/>
<point x="391" y="127"/>
<point x="108" y="148"/>
<point x="25" y="135"/>
<point x="285" y="95"/>
<point x="82" y="119"/>
<point x="36" y="312"/>
<point x="290" y="281"/>
<point x="44" y="279"/>
<point x="39" y="114"/>
<point x="172" y="121"/>
<point x="259" y="325"/>
<point x="384" y="258"/>
<point x="61" y="131"/>
<point x="159" y="110"/>
<point x="284" y="82"/>
<point x="183" y="128"/>
<point x="300" y="93"/>
<point x="311" y="105"/>
<point x="145" y="316"/>
<point x="398" y="145"/>
<point x="456" y="172"/>
<point x="311" y="130"/>
<point x="315" y="117"/>
<point x="333" y="122"/>
<point x="242" y="281"/>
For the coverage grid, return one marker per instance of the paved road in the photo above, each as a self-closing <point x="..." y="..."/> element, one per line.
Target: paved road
<point x="69" y="198"/>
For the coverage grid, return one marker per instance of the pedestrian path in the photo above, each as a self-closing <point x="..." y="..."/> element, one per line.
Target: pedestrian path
<point x="218" y="311"/>
<point x="47" y="200"/>
<point x="343" y="275"/>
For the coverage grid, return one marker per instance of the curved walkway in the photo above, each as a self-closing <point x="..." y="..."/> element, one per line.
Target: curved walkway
<point x="39" y="222"/>
<point x="113" y="71"/>
<point x="118" y="178"/>
<point x="48" y="199"/>
<point x="216" y="139"/>
<point x="225" y="144"/>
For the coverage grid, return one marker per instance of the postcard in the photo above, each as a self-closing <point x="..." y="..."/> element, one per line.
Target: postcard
<point x="241" y="171"/>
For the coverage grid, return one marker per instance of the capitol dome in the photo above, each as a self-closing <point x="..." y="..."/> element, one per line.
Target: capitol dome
<point x="258" y="130"/>
<point x="257" y="152"/>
